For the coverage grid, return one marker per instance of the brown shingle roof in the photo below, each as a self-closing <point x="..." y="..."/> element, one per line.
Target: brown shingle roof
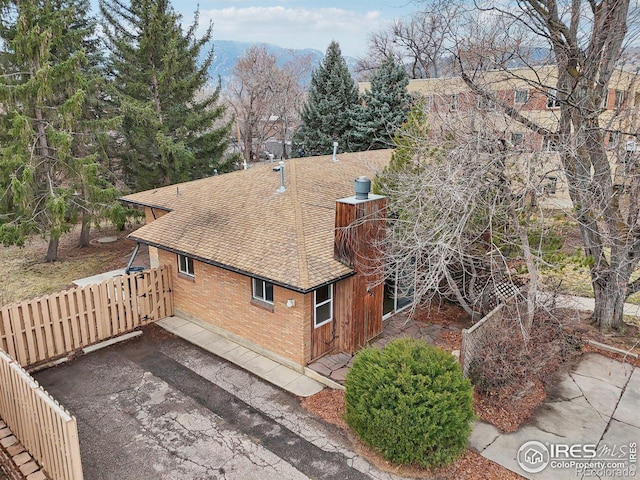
<point x="240" y="221"/>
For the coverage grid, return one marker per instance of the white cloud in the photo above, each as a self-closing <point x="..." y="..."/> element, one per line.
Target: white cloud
<point x="295" y="27"/>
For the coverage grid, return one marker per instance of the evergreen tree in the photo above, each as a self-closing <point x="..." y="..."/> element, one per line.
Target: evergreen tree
<point x="49" y="169"/>
<point x="172" y="124"/>
<point x="409" y="154"/>
<point x="326" y="115"/>
<point x="384" y="108"/>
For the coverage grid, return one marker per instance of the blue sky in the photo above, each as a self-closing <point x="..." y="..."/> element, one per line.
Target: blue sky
<point x="297" y="23"/>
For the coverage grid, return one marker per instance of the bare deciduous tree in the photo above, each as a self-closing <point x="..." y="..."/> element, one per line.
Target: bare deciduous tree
<point x="587" y="39"/>
<point x="461" y="211"/>
<point x="421" y="42"/>
<point x="265" y="97"/>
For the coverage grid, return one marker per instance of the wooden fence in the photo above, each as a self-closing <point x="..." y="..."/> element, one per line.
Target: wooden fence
<point x="473" y="337"/>
<point x="45" y="429"/>
<point x="43" y="329"/>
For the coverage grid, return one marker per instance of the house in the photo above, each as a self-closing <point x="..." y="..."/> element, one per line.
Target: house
<point x="451" y="107"/>
<point x="261" y="255"/>
<point x="531" y="91"/>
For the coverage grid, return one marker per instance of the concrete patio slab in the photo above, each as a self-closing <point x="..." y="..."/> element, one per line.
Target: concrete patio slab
<point x="603" y="368"/>
<point x="221" y="346"/>
<point x="202" y="337"/>
<point x="569" y="420"/>
<point x="595" y="404"/>
<point x="504" y="451"/>
<point x="599" y="394"/>
<point x="95" y="279"/>
<point x="482" y="435"/>
<point x="171" y="323"/>
<point x="620" y="433"/>
<point x="566" y="389"/>
<point x="627" y="410"/>
<point x="190" y="330"/>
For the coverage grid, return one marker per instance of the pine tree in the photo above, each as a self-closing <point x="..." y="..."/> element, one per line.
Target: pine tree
<point x="384" y="108"/>
<point x="46" y="153"/>
<point x="172" y="124"/>
<point x="326" y="115"/>
<point x="410" y="153"/>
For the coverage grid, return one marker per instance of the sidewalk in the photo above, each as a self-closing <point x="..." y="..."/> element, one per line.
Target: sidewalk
<point x="595" y="404"/>
<point x="586" y="304"/>
<point x="279" y="375"/>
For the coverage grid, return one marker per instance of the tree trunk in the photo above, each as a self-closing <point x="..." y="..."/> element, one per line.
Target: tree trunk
<point x="52" y="250"/>
<point x="608" y="313"/>
<point x="85" y="229"/>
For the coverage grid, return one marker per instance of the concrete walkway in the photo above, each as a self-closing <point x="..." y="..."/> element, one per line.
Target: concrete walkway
<point x="280" y="375"/>
<point x="586" y="304"/>
<point x="596" y="404"/>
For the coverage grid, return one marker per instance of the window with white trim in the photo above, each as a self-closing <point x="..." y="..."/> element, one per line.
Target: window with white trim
<point x="521" y="96"/>
<point x="552" y="98"/>
<point x="185" y="265"/>
<point x="262" y="290"/>
<point x="323" y="305"/>
<point x="620" y="99"/>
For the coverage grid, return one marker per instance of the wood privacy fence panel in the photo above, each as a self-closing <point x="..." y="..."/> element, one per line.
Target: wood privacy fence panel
<point x="46" y="328"/>
<point x="43" y="427"/>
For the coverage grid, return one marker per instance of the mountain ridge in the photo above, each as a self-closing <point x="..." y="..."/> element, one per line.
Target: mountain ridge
<point x="227" y="52"/>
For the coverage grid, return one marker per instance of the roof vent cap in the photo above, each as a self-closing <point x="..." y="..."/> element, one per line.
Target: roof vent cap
<point x="362" y="187"/>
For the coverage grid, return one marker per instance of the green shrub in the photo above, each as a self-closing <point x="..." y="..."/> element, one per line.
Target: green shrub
<point x="410" y="402"/>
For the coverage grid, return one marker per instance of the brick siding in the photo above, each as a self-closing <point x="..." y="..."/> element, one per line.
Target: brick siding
<point x="224" y="299"/>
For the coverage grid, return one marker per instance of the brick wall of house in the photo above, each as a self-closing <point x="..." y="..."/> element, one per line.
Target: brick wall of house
<point x="224" y="299"/>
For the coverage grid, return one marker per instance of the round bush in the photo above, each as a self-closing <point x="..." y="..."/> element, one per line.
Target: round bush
<point x="410" y="402"/>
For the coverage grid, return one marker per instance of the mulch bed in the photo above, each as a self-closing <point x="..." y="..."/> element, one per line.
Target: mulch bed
<point x="511" y="406"/>
<point x="507" y="409"/>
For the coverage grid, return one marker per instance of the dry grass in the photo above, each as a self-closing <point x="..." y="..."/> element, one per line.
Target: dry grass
<point x="25" y="275"/>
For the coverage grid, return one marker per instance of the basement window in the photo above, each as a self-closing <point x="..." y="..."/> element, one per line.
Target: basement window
<point x="185" y="265"/>
<point x="323" y="301"/>
<point x="262" y="290"/>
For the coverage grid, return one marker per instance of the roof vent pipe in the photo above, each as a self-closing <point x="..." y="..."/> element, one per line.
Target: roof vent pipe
<point x="282" y="187"/>
<point x="362" y="187"/>
<point x="335" y="152"/>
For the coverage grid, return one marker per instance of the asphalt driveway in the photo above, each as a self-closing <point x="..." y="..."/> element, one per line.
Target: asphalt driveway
<point x="157" y="407"/>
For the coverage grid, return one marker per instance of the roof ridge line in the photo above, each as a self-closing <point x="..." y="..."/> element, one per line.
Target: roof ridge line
<point x="303" y="270"/>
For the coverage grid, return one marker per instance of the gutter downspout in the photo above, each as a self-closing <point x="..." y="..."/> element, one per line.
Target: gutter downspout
<point x="129" y="268"/>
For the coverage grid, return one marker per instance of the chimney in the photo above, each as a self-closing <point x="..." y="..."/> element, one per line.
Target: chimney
<point x="360" y="229"/>
<point x="362" y="187"/>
